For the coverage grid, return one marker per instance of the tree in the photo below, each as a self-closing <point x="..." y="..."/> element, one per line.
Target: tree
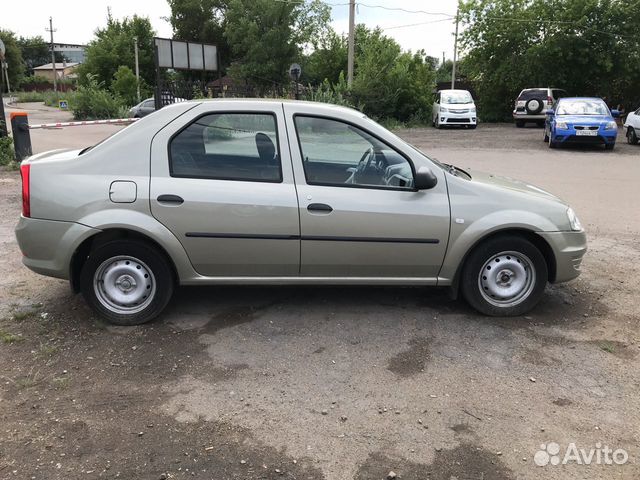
<point x="390" y="83"/>
<point x="267" y="36"/>
<point x="114" y="46"/>
<point x="587" y="47"/>
<point x="326" y="61"/>
<point x="13" y="57"/>
<point x="35" y="52"/>
<point x="125" y="85"/>
<point x="201" y="21"/>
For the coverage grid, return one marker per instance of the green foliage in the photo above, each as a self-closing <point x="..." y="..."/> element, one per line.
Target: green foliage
<point x="337" y="93"/>
<point x="201" y="21"/>
<point x="93" y="101"/>
<point x="389" y="82"/>
<point x="114" y="47"/>
<point x="267" y="36"/>
<point x="35" y="52"/>
<point x="7" y="153"/>
<point x="125" y="85"/>
<point x="13" y="57"/>
<point x="327" y="61"/>
<point x="586" y="47"/>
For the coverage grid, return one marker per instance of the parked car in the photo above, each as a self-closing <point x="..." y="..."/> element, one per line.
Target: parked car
<point x="148" y="106"/>
<point x="283" y="192"/>
<point x="581" y="120"/>
<point x="143" y="109"/>
<point x="531" y="104"/>
<point x="632" y="127"/>
<point x="454" y="107"/>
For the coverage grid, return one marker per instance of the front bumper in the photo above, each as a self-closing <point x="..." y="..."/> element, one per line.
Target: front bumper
<point x="570" y="136"/>
<point x="568" y="249"/>
<point x="453" y="118"/>
<point x="48" y="245"/>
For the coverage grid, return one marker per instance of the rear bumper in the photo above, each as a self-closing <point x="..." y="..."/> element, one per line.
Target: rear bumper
<point x="525" y="117"/>
<point x="568" y="249"/>
<point x="47" y="245"/>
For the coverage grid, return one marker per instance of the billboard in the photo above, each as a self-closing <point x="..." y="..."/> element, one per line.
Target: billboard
<point x="181" y="55"/>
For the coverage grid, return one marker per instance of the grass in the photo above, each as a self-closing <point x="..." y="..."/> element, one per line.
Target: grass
<point x="61" y="383"/>
<point x="9" y="338"/>
<point x="608" y="347"/>
<point x="21" y="316"/>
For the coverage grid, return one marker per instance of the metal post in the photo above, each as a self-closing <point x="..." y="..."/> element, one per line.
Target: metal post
<point x="352" y="19"/>
<point x="53" y="56"/>
<point x="3" y="119"/>
<point x="5" y="68"/>
<point x="135" y="51"/>
<point x="158" y="94"/>
<point x="455" y="51"/>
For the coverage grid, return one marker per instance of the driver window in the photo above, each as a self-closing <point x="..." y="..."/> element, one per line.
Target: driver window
<point x="335" y="153"/>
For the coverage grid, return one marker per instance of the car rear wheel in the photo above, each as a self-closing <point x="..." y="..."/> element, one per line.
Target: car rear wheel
<point x="632" y="136"/>
<point x="504" y="276"/>
<point x="127" y="282"/>
<point x="519" y="123"/>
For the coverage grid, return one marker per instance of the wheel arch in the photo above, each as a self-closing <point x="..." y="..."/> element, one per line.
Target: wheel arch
<point x="82" y="252"/>
<point x="539" y="242"/>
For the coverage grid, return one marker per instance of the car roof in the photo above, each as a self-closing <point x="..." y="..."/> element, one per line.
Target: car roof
<point x="453" y="90"/>
<point x="267" y="101"/>
<point x="564" y="99"/>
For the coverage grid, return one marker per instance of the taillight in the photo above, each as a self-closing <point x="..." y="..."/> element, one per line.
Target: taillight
<point x="25" y="171"/>
<point x="549" y="101"/>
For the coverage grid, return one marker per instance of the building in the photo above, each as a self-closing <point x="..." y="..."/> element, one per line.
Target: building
<point x="62" y="70"/>
<point x="71" y="51"/>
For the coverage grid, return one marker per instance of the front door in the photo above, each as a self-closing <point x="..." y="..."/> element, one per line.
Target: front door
<point x="359" y="213"/>
<point x="222" y="182"/>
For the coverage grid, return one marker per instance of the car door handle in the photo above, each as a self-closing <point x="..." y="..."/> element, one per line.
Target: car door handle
<point x="320" y="207"/>
<point x="173" y="199"/>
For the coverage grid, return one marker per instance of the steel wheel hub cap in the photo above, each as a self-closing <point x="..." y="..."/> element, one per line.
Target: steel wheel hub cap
<point x="507" y="279"/>
<point x="124" y="284"/>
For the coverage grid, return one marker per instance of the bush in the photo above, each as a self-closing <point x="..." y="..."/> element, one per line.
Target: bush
<point x="7" y="153"/>
<point x="92" y="102"/>
<point x="326" y="93"/>
<point x="124" y="85"/>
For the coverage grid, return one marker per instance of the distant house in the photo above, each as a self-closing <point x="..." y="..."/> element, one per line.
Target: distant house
<point x="62" y="70"/>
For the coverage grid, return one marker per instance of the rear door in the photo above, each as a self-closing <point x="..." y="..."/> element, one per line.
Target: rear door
<point x="221" y="181"/>
<point x="359" y="214"/>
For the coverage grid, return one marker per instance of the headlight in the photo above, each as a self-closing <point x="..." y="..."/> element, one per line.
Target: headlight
<point x="472" y="109"/>
<point x="611" y="126"/>
<point x="576" y="226"/>
<point x="443" y="110"/>
<point x="562" y="125"/>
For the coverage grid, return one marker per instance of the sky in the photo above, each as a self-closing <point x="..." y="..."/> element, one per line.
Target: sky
<point x="75" y="21"/>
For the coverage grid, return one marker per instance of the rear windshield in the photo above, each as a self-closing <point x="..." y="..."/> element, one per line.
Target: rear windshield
<point x="582" y="107"/>
<point x="538" y="93"/>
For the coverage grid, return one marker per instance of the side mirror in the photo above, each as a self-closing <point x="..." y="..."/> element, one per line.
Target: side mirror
<point x="615" y="113"/>
<point x="425" y="179"/>
<point x="549" y="112"/>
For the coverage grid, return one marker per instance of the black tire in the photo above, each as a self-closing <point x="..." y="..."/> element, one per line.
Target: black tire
<point x="470" y="282"/>
<point x="161" y="280"/>
<point x="472" y="127"/>
<point x="519" y="123"/>
<point x="632" y="136"/>
<point x="546" y="135"/>
<point x="609" y="146"/>
<point x="540" y="123"/>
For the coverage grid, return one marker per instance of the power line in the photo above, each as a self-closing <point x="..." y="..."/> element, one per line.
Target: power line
<point x="417" y="24"/>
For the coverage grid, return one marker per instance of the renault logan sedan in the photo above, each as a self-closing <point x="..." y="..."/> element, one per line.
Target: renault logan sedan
<point x="271" y="192"/>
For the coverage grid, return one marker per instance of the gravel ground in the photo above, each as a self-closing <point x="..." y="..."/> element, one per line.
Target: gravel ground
<point x="336" y="383"/>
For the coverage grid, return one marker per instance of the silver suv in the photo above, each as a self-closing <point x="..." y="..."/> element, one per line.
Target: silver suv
<point x="532" y="103"/>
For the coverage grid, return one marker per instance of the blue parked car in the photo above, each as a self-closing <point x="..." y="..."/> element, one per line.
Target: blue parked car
<point x="581" y="120"/>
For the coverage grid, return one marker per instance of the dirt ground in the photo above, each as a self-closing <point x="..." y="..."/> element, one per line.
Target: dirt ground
<point x="336" y="383"/>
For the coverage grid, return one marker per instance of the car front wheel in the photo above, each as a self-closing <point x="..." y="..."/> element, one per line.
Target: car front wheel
<point x="632" y="136"/>
<point x="504" y="276"/>
<point x="127" y="282"/>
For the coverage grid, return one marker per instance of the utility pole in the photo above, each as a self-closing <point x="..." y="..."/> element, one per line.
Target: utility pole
<point x="53" y="56"/>
<point x="455" y="51"/>
<point x="352" y="19"/>
<point x="135" y="51"/>
<point x="3" y="122"/>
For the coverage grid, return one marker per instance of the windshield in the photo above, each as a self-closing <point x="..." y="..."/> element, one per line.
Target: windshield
<point x="582" y="107"/>
<point x="456" y="97"/>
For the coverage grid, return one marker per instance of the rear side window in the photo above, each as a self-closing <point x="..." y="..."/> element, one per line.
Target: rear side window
<point x="228" y="146"/>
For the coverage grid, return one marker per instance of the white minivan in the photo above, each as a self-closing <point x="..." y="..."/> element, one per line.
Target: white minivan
<point x="454" y="107"/>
